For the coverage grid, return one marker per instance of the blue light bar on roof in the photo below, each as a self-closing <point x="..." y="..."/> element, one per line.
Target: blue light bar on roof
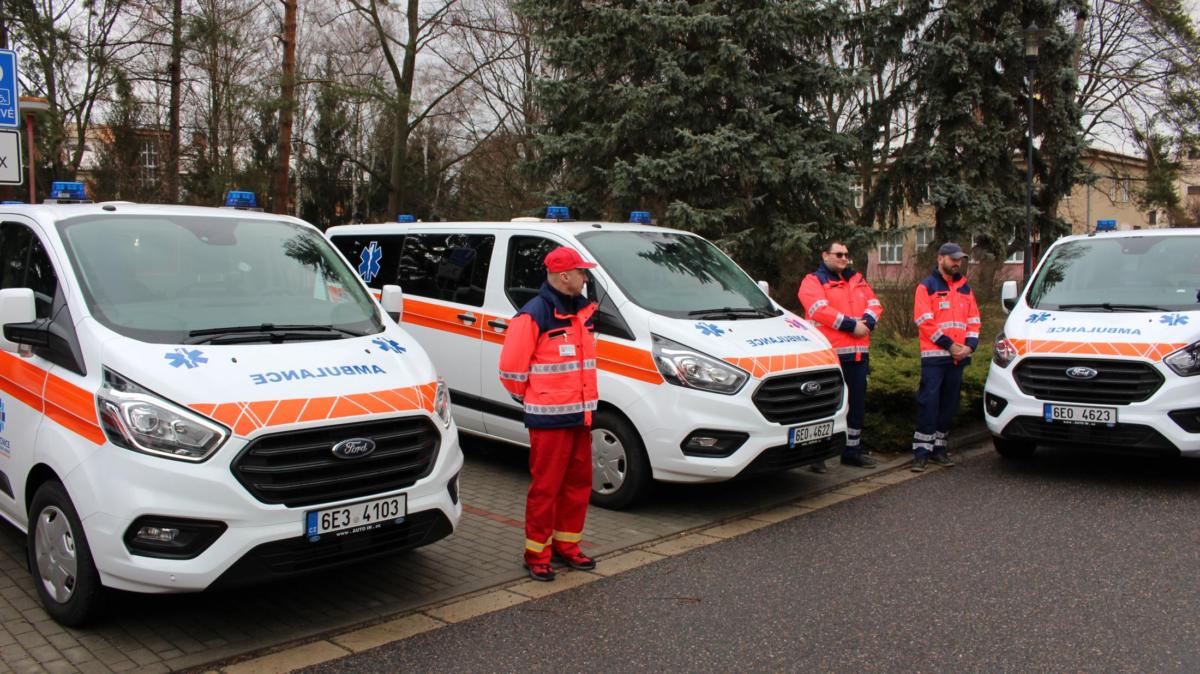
<point x="239" y="199"/>
<point x="405" y="217"/>
<point x="10" y="203"/>
<point x="68" y="190"/>
<point x="558" y="213"/>
<point x="640" y="217"/>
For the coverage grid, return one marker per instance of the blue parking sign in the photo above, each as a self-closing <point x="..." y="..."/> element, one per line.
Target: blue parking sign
<point x="9" y="88"/>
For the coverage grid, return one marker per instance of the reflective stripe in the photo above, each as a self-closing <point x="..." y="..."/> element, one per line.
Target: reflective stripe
<point x="572" y="408"/>
<point x="872" y="314"/>
<point x="934" y="353"/>
<point x="874" y="303"/>
<point x="853" y="432"/>
<point x="922" y="437"/>
<point x="553" y="368"/>
<point x="924" y="317"/>
<point x="837" y="322"/>
<point x="589" y="364"/>
<point x="973" y="334"/>
<point x="938" y="334"/>
<point x="568" y="537"/>
<point x="816" y="306"/>
<point x="952" y="325"/>
<point x="973" y="320"/>
<point x="853" y="349"/>
<point x="853" y="442"/>
<point x="514" y="376"/>
<point x="536" y="546"/>
<point x="927" y="446"/>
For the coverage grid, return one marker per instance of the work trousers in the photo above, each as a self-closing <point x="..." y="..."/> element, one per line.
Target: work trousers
<point x="937" y="402"/>
<point x="560" y="463"/>
<point x="855" y="374"/>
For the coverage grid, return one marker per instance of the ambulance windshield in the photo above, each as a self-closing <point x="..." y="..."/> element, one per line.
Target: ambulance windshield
<point x="1141" y="273"/>
<point x="678" y="275"/>
<point x="215" y="279"/>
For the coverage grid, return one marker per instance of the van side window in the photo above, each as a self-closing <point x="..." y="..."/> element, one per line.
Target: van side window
<point x="24" y="263"/>
<point x="451" y="267"/>
<point x="374" y="258"/>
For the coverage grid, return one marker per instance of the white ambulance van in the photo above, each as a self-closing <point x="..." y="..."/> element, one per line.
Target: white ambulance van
<point x="203" y="397"/>
<point x="1102" y="349"/>
<point x="702" y="377"/>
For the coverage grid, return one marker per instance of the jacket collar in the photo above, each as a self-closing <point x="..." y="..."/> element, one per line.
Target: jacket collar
<point x="828" y="274"/>
<point x="563" y="304"/>
<point x="948" y="280"/>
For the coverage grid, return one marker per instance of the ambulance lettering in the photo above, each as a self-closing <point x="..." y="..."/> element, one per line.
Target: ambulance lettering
<point x="1092" y="330"/>
<point x="279" y="376"/>
<point x="776" y="339"/>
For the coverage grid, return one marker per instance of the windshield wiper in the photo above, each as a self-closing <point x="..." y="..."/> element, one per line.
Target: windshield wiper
<point x="1109" y="306"/>
<point x="733" y="314"/>
<point x="252" y="333"/>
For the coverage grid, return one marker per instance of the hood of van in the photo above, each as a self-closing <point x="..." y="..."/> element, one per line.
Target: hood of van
<point x="1145" y="334"/>
<point x="762" y="346"/>
<point x="252" y="386"/>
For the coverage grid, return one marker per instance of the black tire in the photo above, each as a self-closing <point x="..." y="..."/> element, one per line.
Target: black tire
<point x="617" y="449"/>
<point x="1017" y="450"/>
<point x="78" y="597"/>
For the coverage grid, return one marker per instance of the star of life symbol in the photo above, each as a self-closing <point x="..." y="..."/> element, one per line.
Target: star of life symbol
<point x="188" y="358"/>
<point x="368" y="269"/>
<point x="1173" y="319"/>
<point x="388" y="345"/>
<point x="796" y="323"/>
<point x="709" y="329"/>
<point x="1038" y="318"/>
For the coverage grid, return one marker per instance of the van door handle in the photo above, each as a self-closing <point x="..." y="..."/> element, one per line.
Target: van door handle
<point x="467" y="318"/>
<point x="500" y="326"/>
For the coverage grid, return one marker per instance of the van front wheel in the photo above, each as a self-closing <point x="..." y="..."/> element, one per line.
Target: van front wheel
<point x="620" y="470"/>
<point x="61" y="560"/>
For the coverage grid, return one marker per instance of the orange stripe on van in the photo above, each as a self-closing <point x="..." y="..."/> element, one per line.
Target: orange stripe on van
<point x="64" y="403"/>
<point x="247" y="417"/>
<point x="1151" y="351"/>
<point x="762" y="366"/>
<point x="438" y="317"/>
<point x="627" y="361"/>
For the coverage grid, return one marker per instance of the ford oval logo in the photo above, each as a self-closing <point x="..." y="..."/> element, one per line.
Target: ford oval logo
<point x="810" y="388"/>
<point x="354" y="448"/>
<point x="1081" y="372"/>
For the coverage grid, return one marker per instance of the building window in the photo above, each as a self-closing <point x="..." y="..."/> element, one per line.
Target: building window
<point x="924" y="238"/>
<point x="1017" y="256"/>
<point x="891" y="248"/>
<point x="1152" y="217"/>
<point x="1193" y="190"/>
<point x="149" y="157"/>
<point x="1121" y="189"/>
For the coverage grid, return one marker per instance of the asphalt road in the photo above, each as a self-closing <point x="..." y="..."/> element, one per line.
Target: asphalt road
<point x="1069" y="562"/>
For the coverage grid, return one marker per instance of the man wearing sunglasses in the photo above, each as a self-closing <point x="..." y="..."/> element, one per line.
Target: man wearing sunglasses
<point x="845" y="309"/>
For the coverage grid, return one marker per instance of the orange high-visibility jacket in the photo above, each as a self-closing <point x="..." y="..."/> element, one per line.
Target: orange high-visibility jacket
<point x="836" y="303"/>
<point x="548" y="361"/>
<point x="946" y="313"/>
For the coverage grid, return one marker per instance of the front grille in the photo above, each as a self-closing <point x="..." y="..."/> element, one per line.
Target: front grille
<point x="783" y="401"/>
<point x="1131" y="438"/>
<point x="1118" y="382"/>
<point x="298" y="468"/>
<point x="783" y="457"/>
<point x="295" y="556"/>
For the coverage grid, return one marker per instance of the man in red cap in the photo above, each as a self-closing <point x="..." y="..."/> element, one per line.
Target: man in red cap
<point x="548" y="364"/>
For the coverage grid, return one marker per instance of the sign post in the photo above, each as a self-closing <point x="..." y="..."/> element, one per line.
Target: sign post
<point x="10" y="90"/>
<point x="10" y="157"/>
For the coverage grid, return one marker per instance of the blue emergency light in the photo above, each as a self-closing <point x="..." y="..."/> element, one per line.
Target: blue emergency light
<point x="640" y="217"/>
<point x="405" y="217"/>
<point x="240" y="199"/>
<point x="73" y="191"/>
<point x="558" y="213"/>
<point x="1106" y="225"/>
<point x="10" y="203"/>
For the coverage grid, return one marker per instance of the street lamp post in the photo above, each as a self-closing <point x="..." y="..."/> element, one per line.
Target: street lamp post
<point x="1032" y="35"/>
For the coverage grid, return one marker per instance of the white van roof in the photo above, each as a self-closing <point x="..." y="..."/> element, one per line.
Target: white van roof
<point x="570" y="227"/>
<point x="55" y="212"/>
<point x="1132" y="233"/>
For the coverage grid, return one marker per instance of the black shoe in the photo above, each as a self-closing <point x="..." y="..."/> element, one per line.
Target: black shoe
<point x="942" y="459"/>
<point x="860" y="460"/>
<point x="541" y="572"/>
<point x="819" y="467"/>
<point x="580" y="562"/>
<point x="918" y="465"/>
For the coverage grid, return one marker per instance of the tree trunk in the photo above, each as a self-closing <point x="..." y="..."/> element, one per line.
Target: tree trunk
<point x="396" y="192"/>
<point x="279" y="199"/>
<point x="175" y="70"/>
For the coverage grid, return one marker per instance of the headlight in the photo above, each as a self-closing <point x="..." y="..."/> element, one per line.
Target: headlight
<point x="1186" y="361"/>
<point x="441" y="403"/>
<point x="137" y="419"/>
<point x="1003" y="351"/>
<point x="682" y="366"/>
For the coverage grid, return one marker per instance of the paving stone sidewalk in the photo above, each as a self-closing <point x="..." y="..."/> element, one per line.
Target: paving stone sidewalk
<point x="173" y="632"/>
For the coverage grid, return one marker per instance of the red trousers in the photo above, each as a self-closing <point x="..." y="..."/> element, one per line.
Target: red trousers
<point x="560" y="463"/>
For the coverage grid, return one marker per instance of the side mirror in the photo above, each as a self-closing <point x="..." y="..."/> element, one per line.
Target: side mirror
<point x="392" y="300"/>
<point x="16" y="315"/>
<point x="765" y="287"/>
<point x="1008" y="295"/>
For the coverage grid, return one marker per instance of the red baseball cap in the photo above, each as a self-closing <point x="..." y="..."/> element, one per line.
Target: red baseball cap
<point x="565" y="259"/>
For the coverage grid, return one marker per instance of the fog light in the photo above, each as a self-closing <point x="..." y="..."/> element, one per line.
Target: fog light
<point x="712" y="444"/>
<point x="994" y="404"/>
<point x="702" y="442"/>
<point x="452" y="487"/>
<point x="1188" y="420"/>
<point x="157" y="534"/>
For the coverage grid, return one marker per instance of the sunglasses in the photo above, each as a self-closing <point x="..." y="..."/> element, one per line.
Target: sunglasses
<point x="840" y="254"/>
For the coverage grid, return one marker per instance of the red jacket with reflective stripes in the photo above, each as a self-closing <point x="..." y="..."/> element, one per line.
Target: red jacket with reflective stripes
<point x="548" y="361"/>
<point x="836" y="303"/>
<point x="945" y="312"/>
